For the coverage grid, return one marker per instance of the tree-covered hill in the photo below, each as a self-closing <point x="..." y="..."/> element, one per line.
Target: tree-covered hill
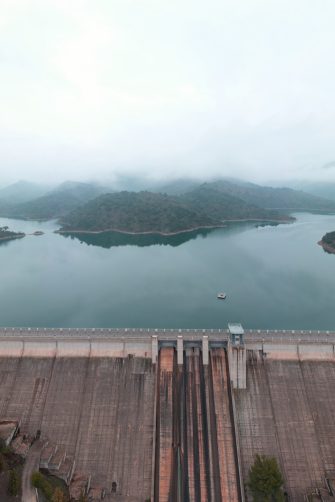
<point x="218" y="200"/>
<point x="54" y="204"/>
<point x="137" y="212"/>
<point x="225" y="206"/>
<point x="22" y="191"/>
<point x="141" y="212"/>
<point x="273" y="198"/>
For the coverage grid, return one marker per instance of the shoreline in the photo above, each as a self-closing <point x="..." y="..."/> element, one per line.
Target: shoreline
<point x="169" y="234"/>
<point x="12" y="237"/>
<point x="288" y="220"/>
<point x="150" y="232"/>
<point x="327" y="247"/>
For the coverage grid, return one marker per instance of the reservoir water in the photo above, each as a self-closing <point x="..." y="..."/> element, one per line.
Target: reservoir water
<point x="274" y="277"/>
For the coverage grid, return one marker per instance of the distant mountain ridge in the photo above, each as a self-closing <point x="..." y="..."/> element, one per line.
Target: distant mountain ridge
<point x="217" y="204"/>
<point x="55" y="203"/>
<point x="273" y="198"/>
<point x="94" y="208"/>
<point x="317" y="188"/>
<point x="22" y="191"/>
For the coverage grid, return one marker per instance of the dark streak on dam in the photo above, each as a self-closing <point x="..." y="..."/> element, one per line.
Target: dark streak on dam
<point x="173" y="416"/>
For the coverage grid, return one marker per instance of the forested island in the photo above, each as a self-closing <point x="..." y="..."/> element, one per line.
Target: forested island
<point x="147" y="212"/>
<point x="328" y="242"/>
<point x="7" y="235"/>
<point x="137" y="213"/>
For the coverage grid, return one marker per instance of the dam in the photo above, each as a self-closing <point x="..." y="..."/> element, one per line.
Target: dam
<point x="173" y="415"/>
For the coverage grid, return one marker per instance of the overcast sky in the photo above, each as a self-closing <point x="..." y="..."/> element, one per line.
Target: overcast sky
<point x="90" y="89"/>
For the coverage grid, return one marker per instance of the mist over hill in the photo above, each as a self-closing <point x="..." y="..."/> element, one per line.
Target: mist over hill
<point x="317" y="188"/>
<point x="141" y="212"/>
<point x="273" y="198"/>
<point x="53" y="204"/>
<point x="181" y="204"/>
<point x="225" y="206"/>
<point x="22" y="191"/>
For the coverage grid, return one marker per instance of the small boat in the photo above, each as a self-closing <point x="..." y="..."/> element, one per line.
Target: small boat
<point x="221" y="296"/>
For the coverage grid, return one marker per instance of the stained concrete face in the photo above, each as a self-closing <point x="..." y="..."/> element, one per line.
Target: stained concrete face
<point x="99" y="409"/>
<point x="288" y="412"/>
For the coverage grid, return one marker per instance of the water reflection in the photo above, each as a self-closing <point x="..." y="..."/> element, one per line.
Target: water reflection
<point x="115" y="239"/>
<point x="6" y="242"/>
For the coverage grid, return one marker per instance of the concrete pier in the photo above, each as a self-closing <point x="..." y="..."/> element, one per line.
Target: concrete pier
<point x="205" y="350"/>
<point x="180" y="350"/>
<point x="154" y="348"/>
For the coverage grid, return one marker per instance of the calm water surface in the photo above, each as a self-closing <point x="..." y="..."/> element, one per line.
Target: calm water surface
<point x="274" y="277"/>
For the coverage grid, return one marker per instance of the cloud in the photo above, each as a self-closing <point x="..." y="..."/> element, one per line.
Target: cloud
<point x="329" y="165"/>
<point x="95" y="88"/>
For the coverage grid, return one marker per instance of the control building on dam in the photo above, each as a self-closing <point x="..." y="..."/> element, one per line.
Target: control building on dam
<point x="171" y="415"/>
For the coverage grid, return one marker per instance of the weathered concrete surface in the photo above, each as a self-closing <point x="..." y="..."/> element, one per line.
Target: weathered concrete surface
<point x="99" y="409"/>
<point x="288" y="411"/>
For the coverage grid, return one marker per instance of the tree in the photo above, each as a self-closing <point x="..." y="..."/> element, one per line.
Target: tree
<point x="58" y="496"/>
<point x="83" y="497"/>
<point x="38" y="481"/>
<point x="13" y="483"/>
<point x="3" y="446"/>
<point x="2" y="463"/>
<point x="265" y="480"/>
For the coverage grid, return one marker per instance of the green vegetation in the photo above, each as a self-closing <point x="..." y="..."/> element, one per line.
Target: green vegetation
<point x="50" y="492"/>
<point x="273" y="198"/>
<point x="328" y="242"/>
<point x="6" y="234"/>
<point x="58" y="496"/>
<point x="3" y="465"/>
<point x="137" y="212"/>
<point x="11" y="466"/>
<point x="14" y="483"/>
<point x="3" y="447"/>
<point x="225" y="206"/>
<point x="329" y="238"/>
<point x="39" y="481"/>
<point x="88" y="207"/>
<point x="265" y="480"/>
<point x="147" y="212"/>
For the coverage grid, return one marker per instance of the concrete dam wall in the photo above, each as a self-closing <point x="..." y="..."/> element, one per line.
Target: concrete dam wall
<point x="99" y="409"/>
<point x="171" y="415"/>
<point x="288" y="412"/>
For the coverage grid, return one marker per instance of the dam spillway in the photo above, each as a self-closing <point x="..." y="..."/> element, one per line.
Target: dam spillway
<point x="195" y="443"/>
<point x="162" y="414"/>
